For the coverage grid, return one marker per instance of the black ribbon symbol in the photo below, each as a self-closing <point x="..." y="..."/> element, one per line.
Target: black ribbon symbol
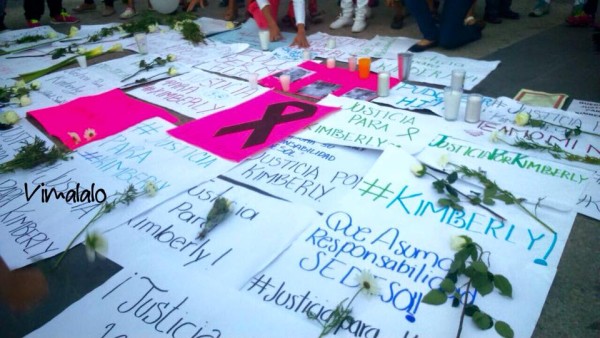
<point x="272" y="117"/>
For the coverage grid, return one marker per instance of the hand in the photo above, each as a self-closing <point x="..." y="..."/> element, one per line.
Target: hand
<point x="275" y="33"/>
<point x="21" y="289"/>
<point x="300" y="38"/>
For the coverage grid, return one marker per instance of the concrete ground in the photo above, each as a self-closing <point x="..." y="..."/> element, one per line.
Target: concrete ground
<point x="535" y="53"/>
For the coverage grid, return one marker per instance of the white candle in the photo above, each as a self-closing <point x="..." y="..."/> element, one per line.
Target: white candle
<point x="352" y="63"/>
<point x="306" y="54"/>
<point x="142" y="42"/>
<point x="264" y="37"/>
<point x="458" y="79"/>
<point x="82" y="61"/>
<point x="451" y="103"/>
<point x="473" y="111"/>
<point x="285" y="82"/>
<point x="330" y="63"/>
<point x="383" y="84"/>
<point x="331" y="43"/>
<point x="253" y="80"/>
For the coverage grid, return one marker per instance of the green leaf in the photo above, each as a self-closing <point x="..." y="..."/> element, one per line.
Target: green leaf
<point x="435" y="297"/>
<point x="470" y="309"/>
<point x="503" y="285"/>
<point x="470" y="272"/>
<point x="445" y="202"/>
<point x="447" y="285"/>
<point x="504" y="329"/>
<point x="482" y="320"/>
<point x="488" y="201"/>
<point x="457" y="266"/>
<point x="479" y="266"/>
<point x="452" y="177"/>
<point x="482" y="283"/>
<point x="476" y="200"/>
<point x="455" y="302"/>
<point x="450" y="189"/>
<point x="439" y="185"/>
<point x="452" y="276"/>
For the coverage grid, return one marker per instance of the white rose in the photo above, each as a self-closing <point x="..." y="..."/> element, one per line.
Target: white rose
<point x="35" y="85"/>
<point x="9" y="117"/>
<point x="418" y="169"/>
<point x="457" y="243"/>
<point x="172" y="71"/>
<point x="522" y="118"/>
<point x="24" y="101"/>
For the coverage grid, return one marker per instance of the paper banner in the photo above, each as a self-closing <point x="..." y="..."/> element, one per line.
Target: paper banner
<point x="250" y="61"/>
<point x="13" y="139"/>
<point x="344" y="79"/>
<point x="38" y="100"/>
<point x="511" y="171"/>
<point x="82" y="36"/>
<point x="210" y="26"/>
<point x="170" y="231"/>
<point x="305" y="172"/>
<point x="198" y="93"/>
<point x="385" y="47"/>
<point x="92" y="112"/>
<point x="402" y="236"/>
<point x="415" y="97"/>
<point x="9" y="43"/>
<point x="191" y="305"/>
<point x="345" y="46"/>
<point x="66" y="85"/>
<point x="11" y="67"/>
<point x="364" y="124"/>
<point x="585" y="108"/>
<point x="589" y="201"/>
<point x="248" y="33"/>
<point x="57" y="201"/>
<point x="435" y="68"/>
<point x="241" y="131"/>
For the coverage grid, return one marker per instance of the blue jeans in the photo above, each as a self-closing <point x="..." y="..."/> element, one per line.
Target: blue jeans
<point x="451" y="31"/>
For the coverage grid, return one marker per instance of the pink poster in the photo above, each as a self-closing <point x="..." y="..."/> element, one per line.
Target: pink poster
<point x="91" y="118"/>
<point x="316" y="80"/>
<point x="250" y="127"/>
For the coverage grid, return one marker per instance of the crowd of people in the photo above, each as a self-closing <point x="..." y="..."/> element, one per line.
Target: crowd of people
<point x="448" y="26"/>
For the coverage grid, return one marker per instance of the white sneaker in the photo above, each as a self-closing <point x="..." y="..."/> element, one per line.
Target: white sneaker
<point x="341" y="21"/>
<point x="359" y="25"/>
<point x="128" y="13"/>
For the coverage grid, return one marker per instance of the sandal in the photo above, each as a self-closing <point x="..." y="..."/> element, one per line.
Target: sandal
<point x="397" y="22"/>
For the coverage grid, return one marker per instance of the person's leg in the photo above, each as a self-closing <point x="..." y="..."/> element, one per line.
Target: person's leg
<point x="360" y="16"/>
<point x="492" y="11"/>
<point x="258" y="15"/>
<point x="34" y="9"/>
<point x="542" y="7"/>
<point x="453" y="32"/>
<point x="129" y="12"/>
<point x="86" y="5"/>
<point x="109" y="7"/>
<point x="231" y="13"/>
<point x="506" y="12"/>
<point x="398" y="18"/>
<point x="2" y="14"/>
<point x="58" y="14"/>
<point x="345" y="18"/>
<point x="420" y="11"/>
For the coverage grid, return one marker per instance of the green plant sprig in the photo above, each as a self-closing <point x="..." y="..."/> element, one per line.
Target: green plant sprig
<point x="7" y="93"/>
<point x="145" y="66"/>
<point x="554" y="150"/>
<point x="493" y="192"/>
<point x="568" y="131"/>
<point x="468" y="262"/>
<point x="218" y="212"/>
<point x="34" y="154"/>
<point x="452" y="199"/>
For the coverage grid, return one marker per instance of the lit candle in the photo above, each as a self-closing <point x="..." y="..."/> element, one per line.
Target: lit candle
<point x="451" y="103"/>
<point x="383" y="84"/>
<point x="331" y="43"/>
<point x="364" y="67"/>
<point x="306" y="54"/>
<point x="352" y="63"/>
<point x="330" y="63"/>
<point x="458" y="79"/>
<point x="473" y="111"/>
<point x="285" y="82"/>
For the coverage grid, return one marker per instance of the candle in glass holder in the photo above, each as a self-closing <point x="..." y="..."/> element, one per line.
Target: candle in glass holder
<point x="331" y="43"/>
<point x="404" y="64"/>
<point x="458" y="79"/>
<point x="82" y="61"/>
<point x="352" y="63"/>
<point x="285" y="82"/>
<point x="451" y="103"/>
<point x="253" y="80"/>
<point x="383" y="84"/>
<point x="473" y="112"/>
<point x="330" y="63"/>
<point x="264" y="37"/>
<point x="306" y="55"/>
<point x="364" y="67"/>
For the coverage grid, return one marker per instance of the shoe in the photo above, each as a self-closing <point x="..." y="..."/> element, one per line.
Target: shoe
<point x="33" y="23"/>
<point x="542" y="8"/>
<point x="359" y="25"/>
<point x="417" y="48"/>
<point x="316" y="18"/>
<point x="511" y="15"/>
<point x="108" y="11"/>
<point x="341" y="21"/>
<point x="84" y="8"/>
<point x="128" y="13"/>
<point x="397" y="22"/>
<point x="2" y="26"/>
<point x="63" y="17"/>
<point x="492" y="19"/>
<point x="581" y="20"/>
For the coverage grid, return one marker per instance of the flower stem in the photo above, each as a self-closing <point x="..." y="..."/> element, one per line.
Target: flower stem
<point x="561" y="126"/>
<point x="462" y="314"/>
<point x="534" y="216"/>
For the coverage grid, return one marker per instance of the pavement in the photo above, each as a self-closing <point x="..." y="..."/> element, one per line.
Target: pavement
<point x="536" y="53"/>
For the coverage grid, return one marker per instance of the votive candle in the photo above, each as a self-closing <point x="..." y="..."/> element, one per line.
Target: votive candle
<point x="383" y="84"/>
<point x="458" y="79"/>
<point x="451" y="103"/>
<point x="352" y="63"/>
<point x="473" y="112"/>
<point x="330" y="63"/>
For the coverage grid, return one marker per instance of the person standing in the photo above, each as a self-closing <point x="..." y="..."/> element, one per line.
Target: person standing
<point x="264" y="13"/>
<point x="496" y="10"/>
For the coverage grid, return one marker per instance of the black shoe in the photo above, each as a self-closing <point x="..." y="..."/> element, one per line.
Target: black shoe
<point x="492" y="19"/>
<point x="510" y="15"/>
<point x="397" y="22"/>
<point x="416" y="48"/>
